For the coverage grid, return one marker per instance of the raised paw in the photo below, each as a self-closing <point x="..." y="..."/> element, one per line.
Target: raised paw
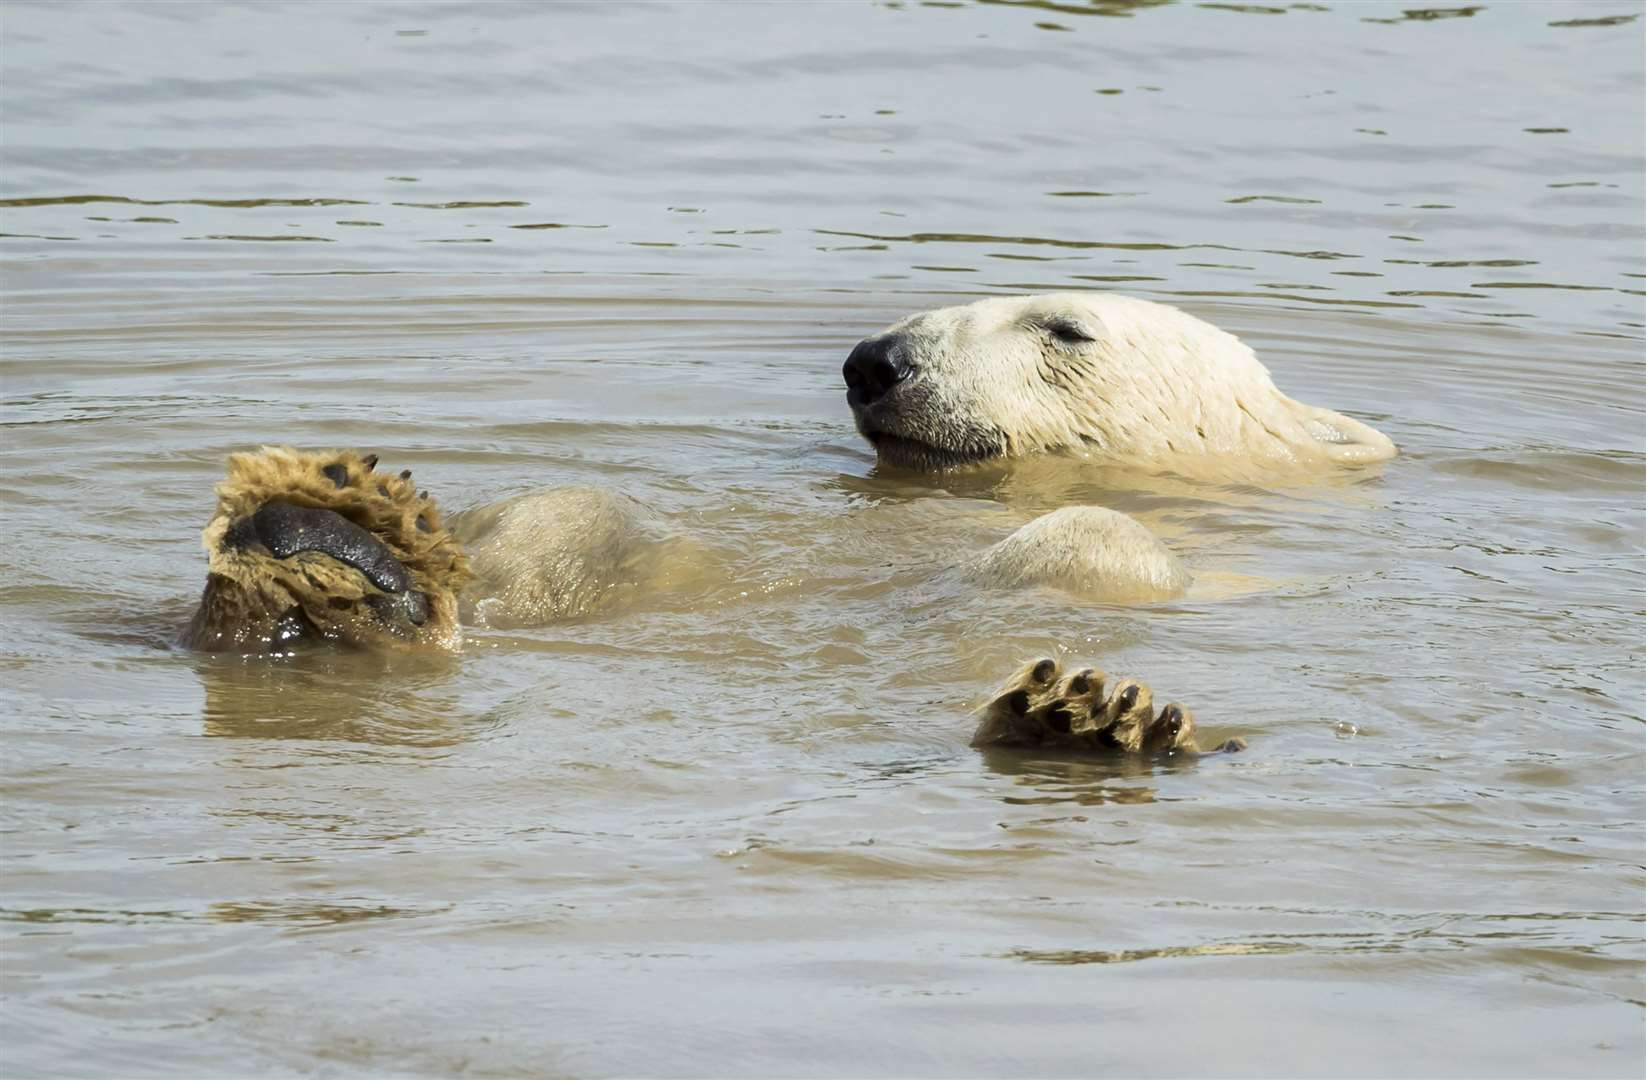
<point x="1042" y="707"/>
<point x="319" y="546"/>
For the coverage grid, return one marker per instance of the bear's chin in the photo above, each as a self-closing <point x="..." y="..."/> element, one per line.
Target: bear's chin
<point x="902" y="452"/>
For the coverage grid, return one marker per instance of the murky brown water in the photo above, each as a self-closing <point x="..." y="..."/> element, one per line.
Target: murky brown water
<point x="734" y="829"/>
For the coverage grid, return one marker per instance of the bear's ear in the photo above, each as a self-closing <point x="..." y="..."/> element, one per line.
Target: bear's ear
<point x="1345" y="440"/>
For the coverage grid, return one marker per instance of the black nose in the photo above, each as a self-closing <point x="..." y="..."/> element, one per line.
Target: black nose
<point x="873" y="368"/>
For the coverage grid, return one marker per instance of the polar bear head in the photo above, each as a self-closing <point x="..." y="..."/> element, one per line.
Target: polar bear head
<point x="1119" y="377"/>
<point x="320" y="548"/>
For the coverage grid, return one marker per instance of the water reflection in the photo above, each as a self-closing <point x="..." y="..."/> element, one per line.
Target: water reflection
<point x="322" y="694"/>
<point x="1428" y="15"/>
<point x="1055" y="778"/>
<point x="289" y="912"/>
<point x="1129" y="956"/>
<point x="1108" y="8"/>
<point x="301" y="913"/>
<point x="1043" y="482"/>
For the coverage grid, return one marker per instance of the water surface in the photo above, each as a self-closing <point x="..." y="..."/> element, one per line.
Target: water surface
<point x="732" y="828"/>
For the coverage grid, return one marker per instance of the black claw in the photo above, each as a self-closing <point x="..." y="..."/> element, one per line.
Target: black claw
<point x="337" y="474"/>
<point x="405" y="474"/>
<point x="1018" y="702"/>
<point x="369" y="461"/>
<point x="423" y="525"/>
<point x="1080" y="683"/>
<point x="1059" y="720"/>
<point x="1043" y="670"/>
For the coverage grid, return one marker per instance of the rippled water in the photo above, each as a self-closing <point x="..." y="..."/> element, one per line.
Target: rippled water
<point x="733" y="828"/>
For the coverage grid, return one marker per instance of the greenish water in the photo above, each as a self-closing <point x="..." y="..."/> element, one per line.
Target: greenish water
<point x="735" y="829"/>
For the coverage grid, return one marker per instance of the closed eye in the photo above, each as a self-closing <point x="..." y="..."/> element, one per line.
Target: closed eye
<point x="1067" y="331"/>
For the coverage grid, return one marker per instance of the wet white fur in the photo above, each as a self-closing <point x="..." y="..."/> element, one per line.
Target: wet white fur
<point x="555" y="554"/>
<point x="1153" y="383"/>
<point x="1090" y="551"/>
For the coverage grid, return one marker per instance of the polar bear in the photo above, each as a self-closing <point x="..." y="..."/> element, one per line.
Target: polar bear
<point x="320" y="545"/>
<point x="1119" y="377"/>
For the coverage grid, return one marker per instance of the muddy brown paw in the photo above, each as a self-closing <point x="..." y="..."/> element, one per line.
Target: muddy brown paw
<point x="1038" y="707"/>
<point x="308" y="546"/>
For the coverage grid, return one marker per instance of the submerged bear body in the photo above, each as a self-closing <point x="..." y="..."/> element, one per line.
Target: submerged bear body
<point x="1090" y="551"/>
<point x="555" y="554"/>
